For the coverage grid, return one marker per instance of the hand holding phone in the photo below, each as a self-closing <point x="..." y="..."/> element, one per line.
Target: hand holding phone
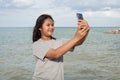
<point x="80" y="17"/>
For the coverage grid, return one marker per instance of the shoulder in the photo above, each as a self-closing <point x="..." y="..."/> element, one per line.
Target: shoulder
<point x="36" y="43"/>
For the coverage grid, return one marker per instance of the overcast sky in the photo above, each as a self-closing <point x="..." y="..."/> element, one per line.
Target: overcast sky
<point x="23" y="13"/>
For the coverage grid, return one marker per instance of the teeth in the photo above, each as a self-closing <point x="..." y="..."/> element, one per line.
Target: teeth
<point x="50" y="30"/>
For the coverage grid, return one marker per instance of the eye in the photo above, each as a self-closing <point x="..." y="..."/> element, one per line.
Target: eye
<point x="48" y="24"/>
<point x="52" y="25"/>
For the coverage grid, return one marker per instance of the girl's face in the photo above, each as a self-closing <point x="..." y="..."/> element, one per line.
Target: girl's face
<point x="47" y="28"/>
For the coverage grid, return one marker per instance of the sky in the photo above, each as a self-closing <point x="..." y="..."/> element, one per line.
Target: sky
<point x="23" y="13"/>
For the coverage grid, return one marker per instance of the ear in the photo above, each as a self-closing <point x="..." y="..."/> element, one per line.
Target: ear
<point x="40" y="29"/>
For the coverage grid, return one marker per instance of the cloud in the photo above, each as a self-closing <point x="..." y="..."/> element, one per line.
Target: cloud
<point x="79" y="5"/>
<point x="43" y="4"/>
<point x="83" y="5"/>
<point x="15" y="4"/>
<point x="112" y="13"/>
<point x="25" y="12"/>
<point x="23" y="4"/>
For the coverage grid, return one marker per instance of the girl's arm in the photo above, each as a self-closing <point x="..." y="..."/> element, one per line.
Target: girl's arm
<point x="79" y="35"/>
<point x="56" y="53"/>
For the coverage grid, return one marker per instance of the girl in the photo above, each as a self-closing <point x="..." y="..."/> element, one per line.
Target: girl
<point x="49" y="51"/>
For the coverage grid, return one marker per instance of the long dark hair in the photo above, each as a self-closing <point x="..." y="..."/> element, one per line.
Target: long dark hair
<point x="39" y="23"/>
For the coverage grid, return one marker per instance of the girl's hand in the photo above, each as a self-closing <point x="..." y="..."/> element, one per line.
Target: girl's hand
<point x="82" y="30"/>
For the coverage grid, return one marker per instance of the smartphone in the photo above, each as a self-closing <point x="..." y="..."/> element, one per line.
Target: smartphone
<point x="79" y="16"/>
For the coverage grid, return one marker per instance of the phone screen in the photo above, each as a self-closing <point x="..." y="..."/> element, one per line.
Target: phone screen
<point x="79" y="16"/>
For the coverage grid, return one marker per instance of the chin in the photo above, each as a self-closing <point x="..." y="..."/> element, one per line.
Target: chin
<point x="50" y="34"/>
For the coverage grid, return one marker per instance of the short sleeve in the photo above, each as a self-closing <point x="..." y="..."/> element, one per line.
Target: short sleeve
<point x="40" y="50"/>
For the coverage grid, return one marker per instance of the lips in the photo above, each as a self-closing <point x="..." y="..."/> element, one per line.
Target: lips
<point x="50" y="31"/>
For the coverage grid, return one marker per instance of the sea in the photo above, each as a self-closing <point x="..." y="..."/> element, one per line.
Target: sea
<point x="98" y="58"/>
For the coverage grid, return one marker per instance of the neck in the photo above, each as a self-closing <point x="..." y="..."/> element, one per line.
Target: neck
<point x="45" y="38"/>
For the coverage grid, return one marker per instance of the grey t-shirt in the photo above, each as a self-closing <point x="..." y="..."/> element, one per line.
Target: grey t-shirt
<point x="47" y="69"/>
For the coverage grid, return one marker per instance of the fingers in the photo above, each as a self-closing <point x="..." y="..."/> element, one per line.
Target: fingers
<point x="83" y="27"/>
<point x="84" y="31"/>
<point x="82" y="24"/>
